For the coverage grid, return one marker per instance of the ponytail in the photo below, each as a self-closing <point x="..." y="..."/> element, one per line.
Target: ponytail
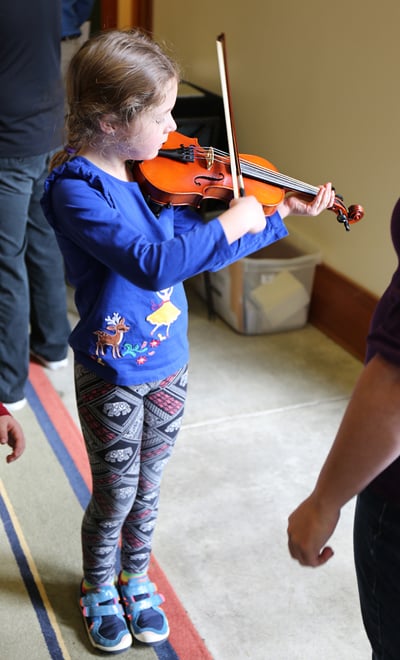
<point x="62" y="156"/>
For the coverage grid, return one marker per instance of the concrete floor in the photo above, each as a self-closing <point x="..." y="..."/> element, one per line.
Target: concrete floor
<point x="262" y="412"/>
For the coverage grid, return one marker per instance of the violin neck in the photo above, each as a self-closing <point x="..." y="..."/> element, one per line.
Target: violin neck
<point x="276" y="178"/>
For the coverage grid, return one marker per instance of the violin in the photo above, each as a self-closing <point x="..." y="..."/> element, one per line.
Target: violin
<point x="185" y="173"/>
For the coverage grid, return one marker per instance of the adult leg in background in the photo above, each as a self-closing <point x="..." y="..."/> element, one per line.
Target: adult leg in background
<point x="377" y="559"/>
<point x="20" y="178"/>
<point x="49" y="323"/>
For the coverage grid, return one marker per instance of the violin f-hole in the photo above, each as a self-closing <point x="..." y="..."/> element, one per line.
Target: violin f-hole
<point x="204" y="177"/>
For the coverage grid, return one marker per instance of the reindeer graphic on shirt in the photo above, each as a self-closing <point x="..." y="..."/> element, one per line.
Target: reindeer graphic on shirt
<point x="116" y="326"/>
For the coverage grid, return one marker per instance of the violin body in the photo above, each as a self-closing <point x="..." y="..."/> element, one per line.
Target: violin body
<point x="185" y="173"/>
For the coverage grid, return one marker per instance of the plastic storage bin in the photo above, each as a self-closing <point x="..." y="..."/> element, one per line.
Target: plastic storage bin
<point x="269" y="291"/>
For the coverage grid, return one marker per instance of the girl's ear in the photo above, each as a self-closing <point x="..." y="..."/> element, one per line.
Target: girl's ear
<point x="107" y="124"/>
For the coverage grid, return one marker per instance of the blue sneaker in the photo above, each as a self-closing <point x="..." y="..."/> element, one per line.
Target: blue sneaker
<point x="148" y="622"/>
<point x="104" y="619"/>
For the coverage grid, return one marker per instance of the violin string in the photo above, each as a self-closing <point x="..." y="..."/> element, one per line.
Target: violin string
<point x="263" y="174"/>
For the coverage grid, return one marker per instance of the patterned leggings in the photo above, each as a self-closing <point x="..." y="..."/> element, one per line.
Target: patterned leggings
<point x="129" y="434"/>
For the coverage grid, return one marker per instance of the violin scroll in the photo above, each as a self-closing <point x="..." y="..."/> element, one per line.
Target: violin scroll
<point x="356" y="213"/>
<point x="349" y="216"/>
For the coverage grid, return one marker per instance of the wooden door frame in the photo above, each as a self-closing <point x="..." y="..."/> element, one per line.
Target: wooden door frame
<point x="126" y="13"/>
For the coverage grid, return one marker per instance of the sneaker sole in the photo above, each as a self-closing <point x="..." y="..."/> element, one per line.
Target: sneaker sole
<point x="48" y="364"/>
<point x="123" y="645"/>
<point x="16" y="405"/>
<point x="150" y="638"/>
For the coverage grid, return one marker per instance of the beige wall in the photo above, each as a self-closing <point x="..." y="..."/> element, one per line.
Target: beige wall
<point x="315" y="88"/>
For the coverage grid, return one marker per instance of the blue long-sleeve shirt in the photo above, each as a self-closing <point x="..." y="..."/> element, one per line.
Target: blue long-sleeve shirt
<point x="128" y="266"/>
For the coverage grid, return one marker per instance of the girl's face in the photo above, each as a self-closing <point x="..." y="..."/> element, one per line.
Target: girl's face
<point x="150" y="130"/>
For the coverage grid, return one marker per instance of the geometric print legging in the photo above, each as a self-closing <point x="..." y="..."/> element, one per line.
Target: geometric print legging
<point x="129" y="434"/>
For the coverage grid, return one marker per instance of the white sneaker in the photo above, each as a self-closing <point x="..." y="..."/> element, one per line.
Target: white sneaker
<point x="15" y="405"/>
<point x="52" y="365"/>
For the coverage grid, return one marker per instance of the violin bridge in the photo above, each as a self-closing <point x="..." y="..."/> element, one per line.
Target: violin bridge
<point x="210" y="157"/>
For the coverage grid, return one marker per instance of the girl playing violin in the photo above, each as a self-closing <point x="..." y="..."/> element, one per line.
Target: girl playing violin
<point x="127" y="265"/>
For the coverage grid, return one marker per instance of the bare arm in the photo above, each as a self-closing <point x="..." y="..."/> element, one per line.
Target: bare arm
<point x="368" y="441"/>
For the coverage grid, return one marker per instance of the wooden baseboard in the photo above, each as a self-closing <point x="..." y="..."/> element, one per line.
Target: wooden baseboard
<point x="341" y="309"/>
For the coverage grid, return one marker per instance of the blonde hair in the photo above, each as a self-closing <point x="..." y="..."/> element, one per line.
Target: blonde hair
<point x="118" y="74"/>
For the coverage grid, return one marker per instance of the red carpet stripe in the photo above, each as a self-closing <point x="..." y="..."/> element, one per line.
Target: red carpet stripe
<point x="184" y="638"/>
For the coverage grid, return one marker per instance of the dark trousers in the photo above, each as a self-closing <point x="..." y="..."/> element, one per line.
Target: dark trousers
<point x="33" y="306"/>
<point x="377" y="558"/>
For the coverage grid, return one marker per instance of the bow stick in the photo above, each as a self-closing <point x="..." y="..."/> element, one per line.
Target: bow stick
<point x="237" y="178"/>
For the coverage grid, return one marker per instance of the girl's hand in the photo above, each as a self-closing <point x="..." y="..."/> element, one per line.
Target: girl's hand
<point x="251" y="211"/>
<point x="299" y="204"/>
<point x="244" y="215"/>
